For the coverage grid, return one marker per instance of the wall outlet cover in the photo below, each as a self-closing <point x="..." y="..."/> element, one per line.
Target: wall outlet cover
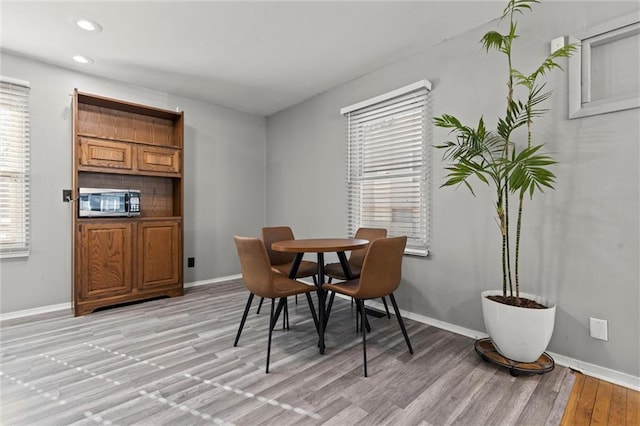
<point x="598" y="329"/>
<point x="557" y="43"/>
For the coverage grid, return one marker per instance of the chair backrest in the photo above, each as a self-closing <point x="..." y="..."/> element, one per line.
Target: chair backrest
<point x="357" y="256"/>
<point x="256" y="269"/>
<point x="272" y="234"/>
<point x="382" y="268"/>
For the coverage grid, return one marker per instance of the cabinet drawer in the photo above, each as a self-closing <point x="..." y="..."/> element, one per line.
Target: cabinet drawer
<point x="155" y="159"/>
<point x="109" y="154"/>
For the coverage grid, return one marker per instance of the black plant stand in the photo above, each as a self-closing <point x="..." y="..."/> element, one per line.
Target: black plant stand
<point x="486" y="350"/>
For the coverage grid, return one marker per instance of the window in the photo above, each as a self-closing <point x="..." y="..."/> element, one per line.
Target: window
<point x="603" y="74"/>
<point x="14" y="168"/>
<point x="388" y="164"/>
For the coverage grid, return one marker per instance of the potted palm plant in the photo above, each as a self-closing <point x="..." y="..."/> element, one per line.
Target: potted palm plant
<point x="516" y="168"/>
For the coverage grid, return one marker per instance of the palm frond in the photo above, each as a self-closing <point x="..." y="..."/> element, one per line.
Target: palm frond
<point x="529" y="171"/>
<point x="493" y="40"/>
<point x="518" y="6"/>
<point x="549" y="63"/>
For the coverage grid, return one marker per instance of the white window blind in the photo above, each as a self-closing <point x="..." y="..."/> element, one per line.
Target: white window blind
<point x="14" y="168"/>
<point x="389" y="165"/>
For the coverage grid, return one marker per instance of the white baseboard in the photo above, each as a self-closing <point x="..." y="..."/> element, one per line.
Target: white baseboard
<point x="586" y="368"/>
<point x="602" y="373"/>
<point x="35" y="311"/>
<point x="62" y="306"/>
<point x="212" y="281"/>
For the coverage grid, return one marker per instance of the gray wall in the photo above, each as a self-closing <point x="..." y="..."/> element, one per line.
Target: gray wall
<point x="581" y="241"/>
<point x="224" y="182"/>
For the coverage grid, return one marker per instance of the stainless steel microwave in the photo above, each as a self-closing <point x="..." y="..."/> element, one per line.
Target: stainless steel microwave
<point x="107" y="202"/>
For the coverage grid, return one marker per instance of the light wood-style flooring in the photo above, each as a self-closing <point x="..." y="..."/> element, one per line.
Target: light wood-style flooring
<point x="596" y="402"/>
<point x="172" y="362"/>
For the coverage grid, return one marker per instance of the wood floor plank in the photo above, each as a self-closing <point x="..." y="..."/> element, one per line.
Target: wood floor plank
<point x="633" y="408"/>
<point x="172" y="361"/>
<point x="600" y="415"/>
<point x="618" y="407"/>
<point x="572" y="404"/>
<point x="584" y="410"/>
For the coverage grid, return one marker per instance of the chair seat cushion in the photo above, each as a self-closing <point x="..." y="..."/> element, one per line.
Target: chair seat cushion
<point x="284" y="287"/>
<point x="306" y="269"/>
<point x="348" y="288"/>
<point x="334" y="270"/>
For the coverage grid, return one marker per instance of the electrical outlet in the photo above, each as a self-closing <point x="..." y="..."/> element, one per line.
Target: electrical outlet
<point x="598" y="329"/>
<point x="191" y="262"/>
<point x="66" y="195"/>
<point x="557" y="43"/>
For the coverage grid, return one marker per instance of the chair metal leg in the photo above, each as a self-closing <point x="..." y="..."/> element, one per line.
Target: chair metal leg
<point x="366" y="320"/>
<point x="321" y="312"/>
<point x="272" y="320"/>
<point x="313" y="311"/>
<point x="328" y="309"/>
<point x="244" y="318"/>
<point x="386" y="308"/>
<point x="282" y="306"/>
<point x="259" y="305"/>
<point x="363" y="320"/>
<point x="285" y="320"/>
<point x="404" y="330"/>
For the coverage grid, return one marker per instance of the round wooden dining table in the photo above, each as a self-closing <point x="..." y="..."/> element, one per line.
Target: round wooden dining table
<point x="320" y="246"/>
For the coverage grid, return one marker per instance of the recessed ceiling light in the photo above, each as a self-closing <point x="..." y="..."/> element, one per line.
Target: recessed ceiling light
<point x="87" y="24"/>
<point x="82" y="59"/>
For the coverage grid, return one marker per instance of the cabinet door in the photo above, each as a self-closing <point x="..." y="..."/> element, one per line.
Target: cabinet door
<point x="160" y="160"/>
<point x="105" y="154"/>
<point x="105" y="251"/>
<point x="159" y="253"/>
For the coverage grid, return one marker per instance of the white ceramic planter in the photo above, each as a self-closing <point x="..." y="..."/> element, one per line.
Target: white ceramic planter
<point x="520" y="334"/>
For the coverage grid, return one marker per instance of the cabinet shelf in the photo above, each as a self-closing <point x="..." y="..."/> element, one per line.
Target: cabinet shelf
<point x="116" y="105"/>
<point x="123" y="145"/>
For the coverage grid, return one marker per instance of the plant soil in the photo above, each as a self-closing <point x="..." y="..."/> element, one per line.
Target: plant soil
<point x="513" y="301"/>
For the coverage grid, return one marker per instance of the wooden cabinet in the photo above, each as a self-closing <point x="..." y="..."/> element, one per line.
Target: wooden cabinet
<point x="105" y="251"/>
<point x="160" y="160"/>
<point x="118" y="144"/>
<point x="99" y="154"/>
<point x="158" y="263"/>
<point x="128" y="158"/>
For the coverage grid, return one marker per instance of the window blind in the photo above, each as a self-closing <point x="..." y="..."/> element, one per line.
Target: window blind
<point x="389" y="165"/>
<point x="14" y="168"/>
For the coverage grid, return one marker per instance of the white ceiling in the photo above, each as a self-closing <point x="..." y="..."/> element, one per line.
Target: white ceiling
<point x="259" y="57"/>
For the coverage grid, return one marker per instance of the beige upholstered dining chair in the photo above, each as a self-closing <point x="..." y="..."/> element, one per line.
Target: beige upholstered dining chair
<point x="261" y="280"/>
<point x="335" y="270"/>
<point x="380" y="276"/>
